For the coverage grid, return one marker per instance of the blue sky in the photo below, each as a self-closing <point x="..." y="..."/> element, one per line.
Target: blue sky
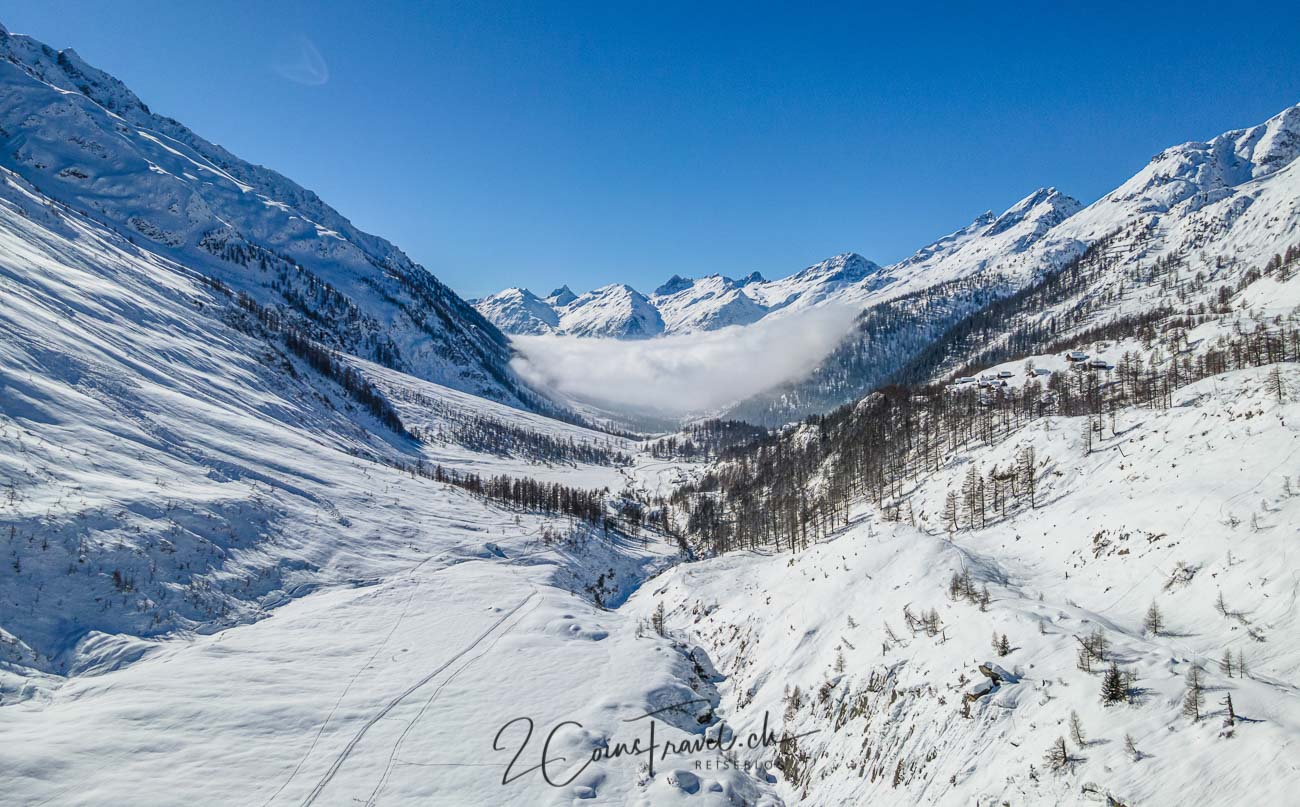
<point x="539" y="144"/>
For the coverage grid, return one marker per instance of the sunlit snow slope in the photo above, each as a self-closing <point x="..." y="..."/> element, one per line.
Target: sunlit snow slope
<point x="1176" y="508"/>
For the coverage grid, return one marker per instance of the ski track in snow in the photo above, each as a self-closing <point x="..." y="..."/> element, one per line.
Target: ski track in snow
<point x="352" y="744"/>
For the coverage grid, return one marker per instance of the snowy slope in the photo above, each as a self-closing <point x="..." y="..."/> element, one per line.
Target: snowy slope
<point x="986" y="243"/>
<point x="220" y="588"/>
<point x="1227" y="195"/>
<point x="82" y="138"/>
<point x="838" y="278"/>
<point x="617" y="311"/>
<point x="706" y="304"/>
<point x="1173" y="508"/>
<point x="1192" y="229"/>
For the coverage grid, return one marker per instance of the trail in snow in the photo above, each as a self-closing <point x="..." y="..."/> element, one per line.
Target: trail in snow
<point x="397" y="747"/>
<point x="396" y="624"/>
<point x="352" y="744"/>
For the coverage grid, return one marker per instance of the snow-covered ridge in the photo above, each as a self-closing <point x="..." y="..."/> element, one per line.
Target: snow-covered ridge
<point x="680" y="305"/>
<point x="703" y="304"/>
<point x="1231" y="196"/>
<point x="83" y="138"/>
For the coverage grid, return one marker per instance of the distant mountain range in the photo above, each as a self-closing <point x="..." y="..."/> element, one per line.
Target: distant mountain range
<point x="685" y="305"/>
<point x="1222" y="206"/>
<point x="1195" y="196"/>
<point x="680" y="305"/>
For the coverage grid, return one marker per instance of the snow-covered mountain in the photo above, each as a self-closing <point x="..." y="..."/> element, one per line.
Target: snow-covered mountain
<point x="708" y="303"/>
<point x="686" y="305"/>
<point x="680" y="305"/>
<point x="1235" y="196"/>
<point x="81" y="137"/>
<point x="1209" y="212"/>
<point x="614" y="311"/>
<point x="988" y="242"/>
<point x="519" y="311"/>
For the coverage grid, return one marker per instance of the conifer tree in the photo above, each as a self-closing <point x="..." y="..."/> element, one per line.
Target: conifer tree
<point x="1076" y="730"/>
<point x="1058" y="756"/>
<point x="1130" y="746"/>
<point x="1112" y="685"/>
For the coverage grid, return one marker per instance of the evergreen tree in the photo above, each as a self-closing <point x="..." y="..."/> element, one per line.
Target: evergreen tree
<point x="1058" y="756"/>
<point x="1112" y="685"/>
<point x="950" y="511"/>
<point x="1276" y="385"/>
<point x="1130" y="746"/>
<point x="657" y="620"/>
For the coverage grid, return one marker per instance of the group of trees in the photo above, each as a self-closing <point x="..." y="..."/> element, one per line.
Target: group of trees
<point x="550" y="498"/>
<point x="706" y="439"/>
<point x="269" y="323"/>
<point x="357" y="386"/>
<point x="313" y="306"/>
<point x="995" y="493"/>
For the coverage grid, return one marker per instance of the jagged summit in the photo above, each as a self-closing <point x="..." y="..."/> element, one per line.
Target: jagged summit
<point x="846" y="267"/>
<point x="561" y="296"/>
<point x="988" y="241"/>
<point x="674" y="284"/>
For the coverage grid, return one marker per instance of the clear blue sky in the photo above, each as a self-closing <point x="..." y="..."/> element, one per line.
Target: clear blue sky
<point x="543" y="143"/>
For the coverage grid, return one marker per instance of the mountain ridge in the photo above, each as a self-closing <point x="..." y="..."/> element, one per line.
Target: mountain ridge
<point x="715" y="301"/>
<point x="85" y="139"/>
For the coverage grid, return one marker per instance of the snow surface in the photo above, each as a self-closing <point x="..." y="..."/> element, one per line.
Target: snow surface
<point x="217" y="590"/>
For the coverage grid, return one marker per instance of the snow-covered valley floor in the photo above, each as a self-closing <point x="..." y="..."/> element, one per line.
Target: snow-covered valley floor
<point x="392" y="690"/>
<point x="221" y="587"/>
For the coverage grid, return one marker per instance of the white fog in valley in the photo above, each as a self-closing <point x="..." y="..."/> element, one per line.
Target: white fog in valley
<point x="683" y="374"/>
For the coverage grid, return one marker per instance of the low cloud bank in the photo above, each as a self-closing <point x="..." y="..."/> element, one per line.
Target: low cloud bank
<point x="687" y="373"/>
